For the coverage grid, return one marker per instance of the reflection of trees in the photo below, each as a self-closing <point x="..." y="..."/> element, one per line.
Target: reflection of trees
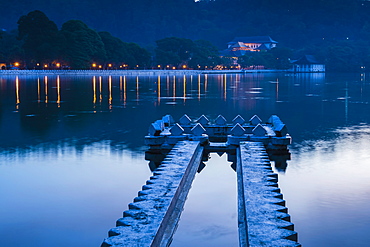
<point x="122" y="117"/>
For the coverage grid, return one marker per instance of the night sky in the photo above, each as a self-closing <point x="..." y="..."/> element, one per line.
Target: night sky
<point x="292" y="23"/>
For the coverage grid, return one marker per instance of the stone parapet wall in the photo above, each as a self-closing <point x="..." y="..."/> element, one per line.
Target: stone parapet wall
<point x="102" y="72"/>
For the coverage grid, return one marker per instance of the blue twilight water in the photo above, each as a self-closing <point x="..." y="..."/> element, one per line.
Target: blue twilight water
<point x="72" y="154"/>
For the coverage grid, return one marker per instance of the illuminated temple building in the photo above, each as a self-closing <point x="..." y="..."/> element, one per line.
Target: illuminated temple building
<point x="239" y="46"/>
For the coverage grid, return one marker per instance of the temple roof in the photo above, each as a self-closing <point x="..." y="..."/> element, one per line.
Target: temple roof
<point x="239" y="45"/>
<point x="306" y="59"/>
<point x="253" y="39"/>
<point x="262" y="47"/>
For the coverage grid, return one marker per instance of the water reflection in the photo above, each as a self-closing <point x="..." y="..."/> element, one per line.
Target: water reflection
<point x="17" y="92"/>
<point x="58" y="90"/>
<point x="328" y="187"/>
<point x="265" y="94"/>
<point x="72" y="118"/>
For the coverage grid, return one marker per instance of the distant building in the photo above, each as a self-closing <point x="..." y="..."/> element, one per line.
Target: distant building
<point x="307" y="63"/>
<point x="239" y="46"/>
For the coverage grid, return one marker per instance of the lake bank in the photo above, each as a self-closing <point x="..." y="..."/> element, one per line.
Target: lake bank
<point x="131" y="72"/>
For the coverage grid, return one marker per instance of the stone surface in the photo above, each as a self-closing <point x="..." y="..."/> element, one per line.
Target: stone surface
<point x="152" y="218"/>
<point x="263" y="218"/>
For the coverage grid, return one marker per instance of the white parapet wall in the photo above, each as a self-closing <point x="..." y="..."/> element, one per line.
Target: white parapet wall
<point x="102" y="72"/>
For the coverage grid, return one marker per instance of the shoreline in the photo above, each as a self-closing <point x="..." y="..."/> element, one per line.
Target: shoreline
<point x="132" y="72"/>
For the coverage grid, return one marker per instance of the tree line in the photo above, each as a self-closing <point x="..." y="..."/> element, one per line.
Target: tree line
<point x="39" y="44"/>
<point x="337" y="32"/>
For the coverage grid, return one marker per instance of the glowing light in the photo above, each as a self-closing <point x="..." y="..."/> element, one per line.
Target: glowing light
<point x="45" y="66"/>
<point x="184" y="89"/>
<point x="46" y="89"/>
<point x="184" y="66"/>
<point x="110" y="65"/>
<point x="225" y="85"/>
<point x="173" y="67"/>
<point x="58" y="65"/>
<point x="198" y="87"/>
<point x="124" y="90"/>
<point x="100" y="66"/>
<point x="94" y="90"/>
<point x="94" y="65"/>
<point x="110" y="91"/>
<point x="58" y="91"/>
<point x="38" y="91"/>
<point x="16" y="64"/>
<point x="17" y="92"/>
<point x="159" y="90"/>
<point x="100" y="89"/>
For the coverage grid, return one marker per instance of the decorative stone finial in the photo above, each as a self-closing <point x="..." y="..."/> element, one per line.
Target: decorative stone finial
<point x="238" y="119"/>
<point x="185" y="120"/>
<point x="237" y="130"/>
<point x="154" y="129"/>
<point x="198" y="130"/>
<point x="220" y="120"/>
<point x="259" y="130"/>
<point x="203" y="120"/>
<point x="176" y="130"/>
<point x="168" y="120"/>
<point x="255" y="120"/>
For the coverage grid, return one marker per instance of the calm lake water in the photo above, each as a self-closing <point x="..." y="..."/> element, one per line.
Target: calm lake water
<point x="72" y="154"/>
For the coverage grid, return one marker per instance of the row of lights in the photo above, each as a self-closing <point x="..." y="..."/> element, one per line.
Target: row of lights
<point x="16" y="64"/>
<point x="94" y="65"/>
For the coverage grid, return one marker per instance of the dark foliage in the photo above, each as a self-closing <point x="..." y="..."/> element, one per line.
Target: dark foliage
<point x="315" y="27"/>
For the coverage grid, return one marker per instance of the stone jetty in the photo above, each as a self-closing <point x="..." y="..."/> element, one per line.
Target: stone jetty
<point x="263" y="219"/>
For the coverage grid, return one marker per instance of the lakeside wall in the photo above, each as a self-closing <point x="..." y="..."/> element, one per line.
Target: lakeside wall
<point x="129" y="72"/>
